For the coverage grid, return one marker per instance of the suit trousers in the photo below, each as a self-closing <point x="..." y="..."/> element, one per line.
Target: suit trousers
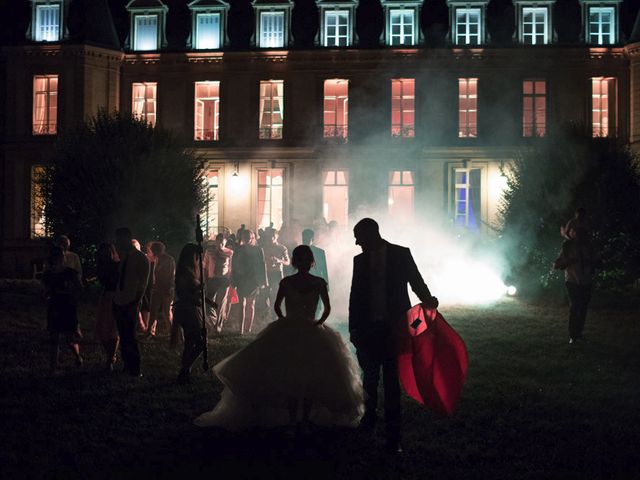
<point x="376" y="351"/>
<point x="126" y="320"/>
<point x="579" y="297"/>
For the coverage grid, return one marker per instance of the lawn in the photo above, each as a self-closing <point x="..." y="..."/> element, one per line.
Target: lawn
<point x="533" y="407"/>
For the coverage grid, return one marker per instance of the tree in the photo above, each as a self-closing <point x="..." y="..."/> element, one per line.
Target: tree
<point x="114" y="170"/>
<point x="561" y="172"/>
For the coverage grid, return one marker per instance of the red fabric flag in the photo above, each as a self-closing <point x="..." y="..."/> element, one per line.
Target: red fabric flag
<point x="432" y="359"/>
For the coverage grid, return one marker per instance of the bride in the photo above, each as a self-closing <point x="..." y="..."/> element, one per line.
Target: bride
<point x="297" y="368"/>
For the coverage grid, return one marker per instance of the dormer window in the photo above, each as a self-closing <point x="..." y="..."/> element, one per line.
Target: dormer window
<point x="208" y="24"/>
<point x="600" y="19"/>
<point x="336" y="23"/>
<point x="401" y="23"/>
<point x="272" y="23"/>
<point x="46" y="21"/>
<point x="148" y="20"/>
<point x="467" y="22"/>
<point x="534" y="22"/>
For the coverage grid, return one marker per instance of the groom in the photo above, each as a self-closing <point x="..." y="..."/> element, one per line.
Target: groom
<point x="378" y="299"/>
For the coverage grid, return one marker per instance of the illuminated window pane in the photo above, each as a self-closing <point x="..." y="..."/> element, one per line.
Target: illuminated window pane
<point x="335" y="197"/>
<point x="336" y="109"/>
<point x="146" y="32"/>
<point x="467" y="197"/>
<point x="271" y="30"/>
<point x="270" y="197"/>
<point x="144" y="101"/>
<point x="207" y="111"/>
<point x="45" y="105"/>
<point x="336" y="29"/>
<point x="403" y="107"/>
<point x="467" y="107"/>
<point x="401" y="27"/>
<point x="468" y="28"/>
<point x="601" y="25"/>
<point x="401" y="194"/>
<point x="47" y="27"/>
<point x="271" y="109"/>
<point x="603" y="107"/>
<point x="534" y="108"/>
<point x="211" y="214"/>
<point x="535" y="28"/>
<point x="207" y="31"/>
<point x="37" y="203"/>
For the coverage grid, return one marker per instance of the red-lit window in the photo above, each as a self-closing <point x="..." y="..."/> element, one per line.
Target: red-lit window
<point x="467" y="107"/>
<point x="271" y="109"/>
<point x="270" y="197"/>
<point x="211" y="214"/>
<point x="45" y="105"/>
<point x="336" y="109"/>
<point x="207" y="111"/>
<point x="401" y="190"/>
<point x="335" y="197"/>
<point x="403" y="107"/>
<point x="534" y="108"/>
<point x="603" y="107"/>
<point x="144" y="101"/>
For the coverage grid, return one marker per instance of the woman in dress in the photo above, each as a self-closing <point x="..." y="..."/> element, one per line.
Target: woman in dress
<point x="106" y="331"/>
<point x="61" y="289"/>
<point x="295" y="361"/>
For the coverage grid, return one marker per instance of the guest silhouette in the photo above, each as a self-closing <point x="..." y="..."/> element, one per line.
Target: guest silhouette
<point x="377" y="301"/>
<point x="248" y="276"/>
<point x="106" y="331"/>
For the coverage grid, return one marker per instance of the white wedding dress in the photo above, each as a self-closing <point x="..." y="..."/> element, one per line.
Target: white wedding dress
<point x="291" y="358"/>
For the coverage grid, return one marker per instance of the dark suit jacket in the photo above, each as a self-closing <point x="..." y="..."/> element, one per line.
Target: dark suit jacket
<point x="401" y="269"/>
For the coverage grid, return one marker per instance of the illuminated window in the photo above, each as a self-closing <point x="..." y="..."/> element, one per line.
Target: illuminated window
<point x="45" y="105"/>
<point x="212" y="207"/>
<point x="601" y="26"/>
<point x="335" y="197"/>
<point x="145" y="32"/>
<point x="38" y="227"/>
<point x="468" y="27"/>
<point x="467" y="107"/>
<point x="401" y="190"/>
<point x="402" y="26"/>
<point x="207" y="31"/>
<point x="207" y="111"/>
<point x="603" y="107"/>
<point x="466" y="197"/>
<point x="270" y="197"/>
<point x="535" y="25"/>
<point x="47" y="22"/>
<point x="403" y="107"/>
<point x="336" y="109"/>
<point x="271" y="30"/>
<point x="336" y="29"/>
<point x="271" y="109"/>
<point x="144" y="101"/>
<point x="534" y="108"/>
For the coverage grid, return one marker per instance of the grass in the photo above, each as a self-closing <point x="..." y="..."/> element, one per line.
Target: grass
<point x="533" y="407"/>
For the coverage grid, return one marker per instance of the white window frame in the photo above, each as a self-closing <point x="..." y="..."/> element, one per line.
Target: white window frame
<point x="466" y="37"/>
<point x="205" y="43"/>
<point x="45" y="105"/>
<point x="330" y="104"/>
<point x="137" y="46"/>
<point x="461" y="216"/>
<point x="337" y="39"/>
<point x="51" y="32"/>
<point x="199" y="131"/>
<point x="534" y="108"/>
<point x="271" y="188"/>
<point x="145" y="107"/>
<point x="604" y="106"/>
<point x="332" y="182"/>
<point x="403" y="130"/>
<point x="600" y="36"/>
<point x="403" y="38"/>
<point x="271" y="107"/>
<point x="269" y="34"/>
<point x="406" y="185"/>
<point x="466" y="127"/>
<point x="532" y="38"/>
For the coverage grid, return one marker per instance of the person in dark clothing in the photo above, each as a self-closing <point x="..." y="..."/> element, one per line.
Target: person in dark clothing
<point x="377" y="301"/>
<point x="106" y="331"/>
<point x="61" y="289"/>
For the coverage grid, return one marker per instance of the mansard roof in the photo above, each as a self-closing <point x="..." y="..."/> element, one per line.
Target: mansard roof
<point x="349" y="3"/>
<point x="146" y="4"/>
<point x="98" y="27"/>
<point x="266" y="3"/>
<point x="203" y="4"/>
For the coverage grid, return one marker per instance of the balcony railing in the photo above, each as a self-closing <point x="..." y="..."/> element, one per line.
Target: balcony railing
<point x="206" y="134"/>
<point x="337" y="132"/>
<point x="270" y="133"/>
<point x="403" y="131"/>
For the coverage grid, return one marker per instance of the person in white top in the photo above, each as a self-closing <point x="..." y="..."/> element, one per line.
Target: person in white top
<point x="132" y="282"/>
<point x="71" y="259"/>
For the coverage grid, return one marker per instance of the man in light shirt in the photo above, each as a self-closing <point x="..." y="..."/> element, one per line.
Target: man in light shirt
<point x="71" y="259"/>
<point x="132" y="282"/>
